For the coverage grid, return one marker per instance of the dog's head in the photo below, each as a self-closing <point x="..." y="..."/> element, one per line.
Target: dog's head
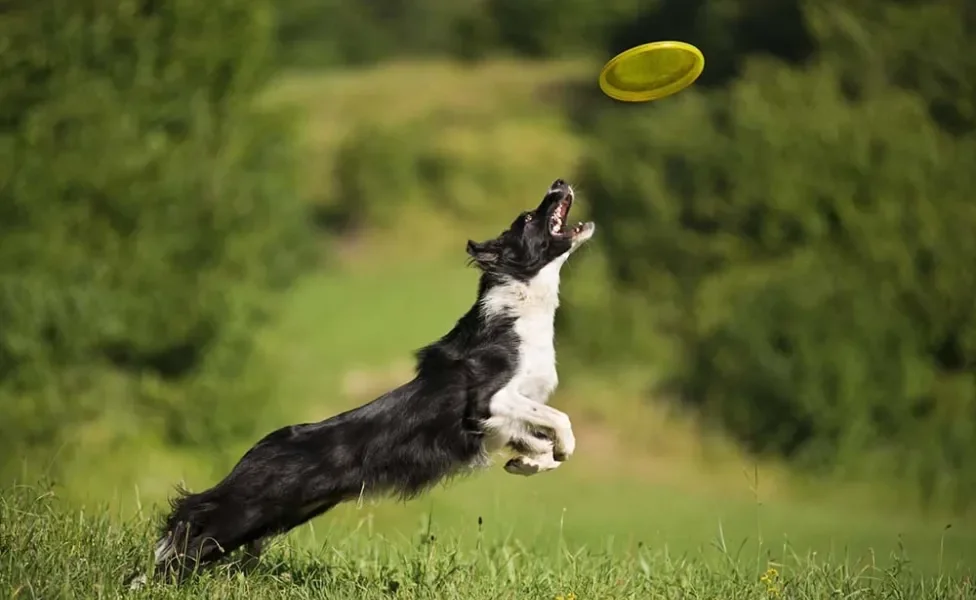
<point x="535" y="238"/>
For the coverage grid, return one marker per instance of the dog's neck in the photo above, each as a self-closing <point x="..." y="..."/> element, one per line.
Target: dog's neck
<point x="533" y="305"/>
<point x="536" y="297"/>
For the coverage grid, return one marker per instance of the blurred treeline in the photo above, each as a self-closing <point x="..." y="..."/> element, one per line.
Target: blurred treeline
<point x="147" y="214"/>
<point x="316" y="33"/>
<point x="790" y="243"/>
<point x="802" y="228"/>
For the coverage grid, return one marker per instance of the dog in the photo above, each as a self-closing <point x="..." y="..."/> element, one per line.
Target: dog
<point x="480" y="389"/>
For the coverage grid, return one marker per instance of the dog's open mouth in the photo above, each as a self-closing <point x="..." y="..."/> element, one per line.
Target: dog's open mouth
<point x="558" y="221"/>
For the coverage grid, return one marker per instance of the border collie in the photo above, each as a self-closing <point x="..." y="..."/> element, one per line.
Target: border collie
<point x="481" y="388"/>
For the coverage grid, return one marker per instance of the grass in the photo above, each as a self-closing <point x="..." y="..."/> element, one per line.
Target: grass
<point x="649" y="507"/>
<point x="50" y="551"/>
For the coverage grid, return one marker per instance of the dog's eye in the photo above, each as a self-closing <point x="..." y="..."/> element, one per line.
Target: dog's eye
<point x="528" y="217"/>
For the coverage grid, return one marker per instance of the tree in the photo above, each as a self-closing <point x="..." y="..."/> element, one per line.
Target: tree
<point x="146" y="210"/>
<point x="805" y="244"/>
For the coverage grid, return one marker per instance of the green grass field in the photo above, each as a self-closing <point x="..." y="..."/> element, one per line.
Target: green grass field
<point x="649" y="507"/>
<point x="48" y="551"/>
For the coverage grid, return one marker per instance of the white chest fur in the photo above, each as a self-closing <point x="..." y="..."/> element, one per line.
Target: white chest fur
<point x="533" y="304"/>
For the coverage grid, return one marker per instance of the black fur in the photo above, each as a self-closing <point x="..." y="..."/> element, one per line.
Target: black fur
<point x="401" y="443"/>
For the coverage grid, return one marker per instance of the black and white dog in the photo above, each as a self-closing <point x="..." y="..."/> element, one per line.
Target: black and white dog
<point x="481" y="388"/>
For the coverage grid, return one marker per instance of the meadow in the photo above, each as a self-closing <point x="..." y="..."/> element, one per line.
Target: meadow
<point x="651" y="506"/>
<point x="47" y="552"/>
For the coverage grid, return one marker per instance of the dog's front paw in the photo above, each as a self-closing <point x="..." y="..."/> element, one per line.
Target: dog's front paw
<point x="565" y="445"/>
<point x="530" y="465"/>
<point x="521" y="465"/>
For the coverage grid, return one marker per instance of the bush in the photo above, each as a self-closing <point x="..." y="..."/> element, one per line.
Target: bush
<point x="808" y="255"/>
<point x="380" y="170"/>
<point x="550" y="28"/>
<point x="440" y="170"/>
<point x="146" y="211"/>
<point x="919" y="46"/>
<point x="332" y="32"/>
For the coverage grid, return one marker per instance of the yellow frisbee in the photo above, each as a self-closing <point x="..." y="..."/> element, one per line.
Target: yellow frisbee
<point x="651" y="71"/>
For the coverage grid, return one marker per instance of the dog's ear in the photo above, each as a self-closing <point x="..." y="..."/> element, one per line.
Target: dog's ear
<point x="483" y="254"/>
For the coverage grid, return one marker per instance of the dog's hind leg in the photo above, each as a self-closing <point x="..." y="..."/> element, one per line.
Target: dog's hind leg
<point x="252" y="550"/>
<point x="206" y="527"/>
<point x="185" y="550"/>
<point x="252" y="555"/>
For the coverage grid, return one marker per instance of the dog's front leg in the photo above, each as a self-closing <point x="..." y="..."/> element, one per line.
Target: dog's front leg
<point x="513" y="412"/>
<point x="533" y="451"/>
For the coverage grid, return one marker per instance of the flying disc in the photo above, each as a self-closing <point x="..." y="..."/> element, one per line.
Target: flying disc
<point x="651" y="71"/>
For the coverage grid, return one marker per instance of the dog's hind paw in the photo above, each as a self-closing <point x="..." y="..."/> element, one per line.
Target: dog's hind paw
<point x="137" y="582"/>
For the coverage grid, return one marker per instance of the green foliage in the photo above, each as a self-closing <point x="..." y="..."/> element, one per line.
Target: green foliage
<point x="547" y="28"/>
<point x="804" y="236"/>
<point x="332" y="32"/>
<point x="727" y="32"/>
<point x="146" y="209"/>
<point x="920" y="46"/>
<point x="380" y="171"/>
<point x="456" y="164"/>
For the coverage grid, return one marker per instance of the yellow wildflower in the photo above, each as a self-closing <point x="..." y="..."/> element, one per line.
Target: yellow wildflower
<point x="770" y="578"/>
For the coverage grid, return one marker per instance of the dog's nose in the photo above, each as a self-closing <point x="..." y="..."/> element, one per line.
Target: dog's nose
<point x="559" y="184"/>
